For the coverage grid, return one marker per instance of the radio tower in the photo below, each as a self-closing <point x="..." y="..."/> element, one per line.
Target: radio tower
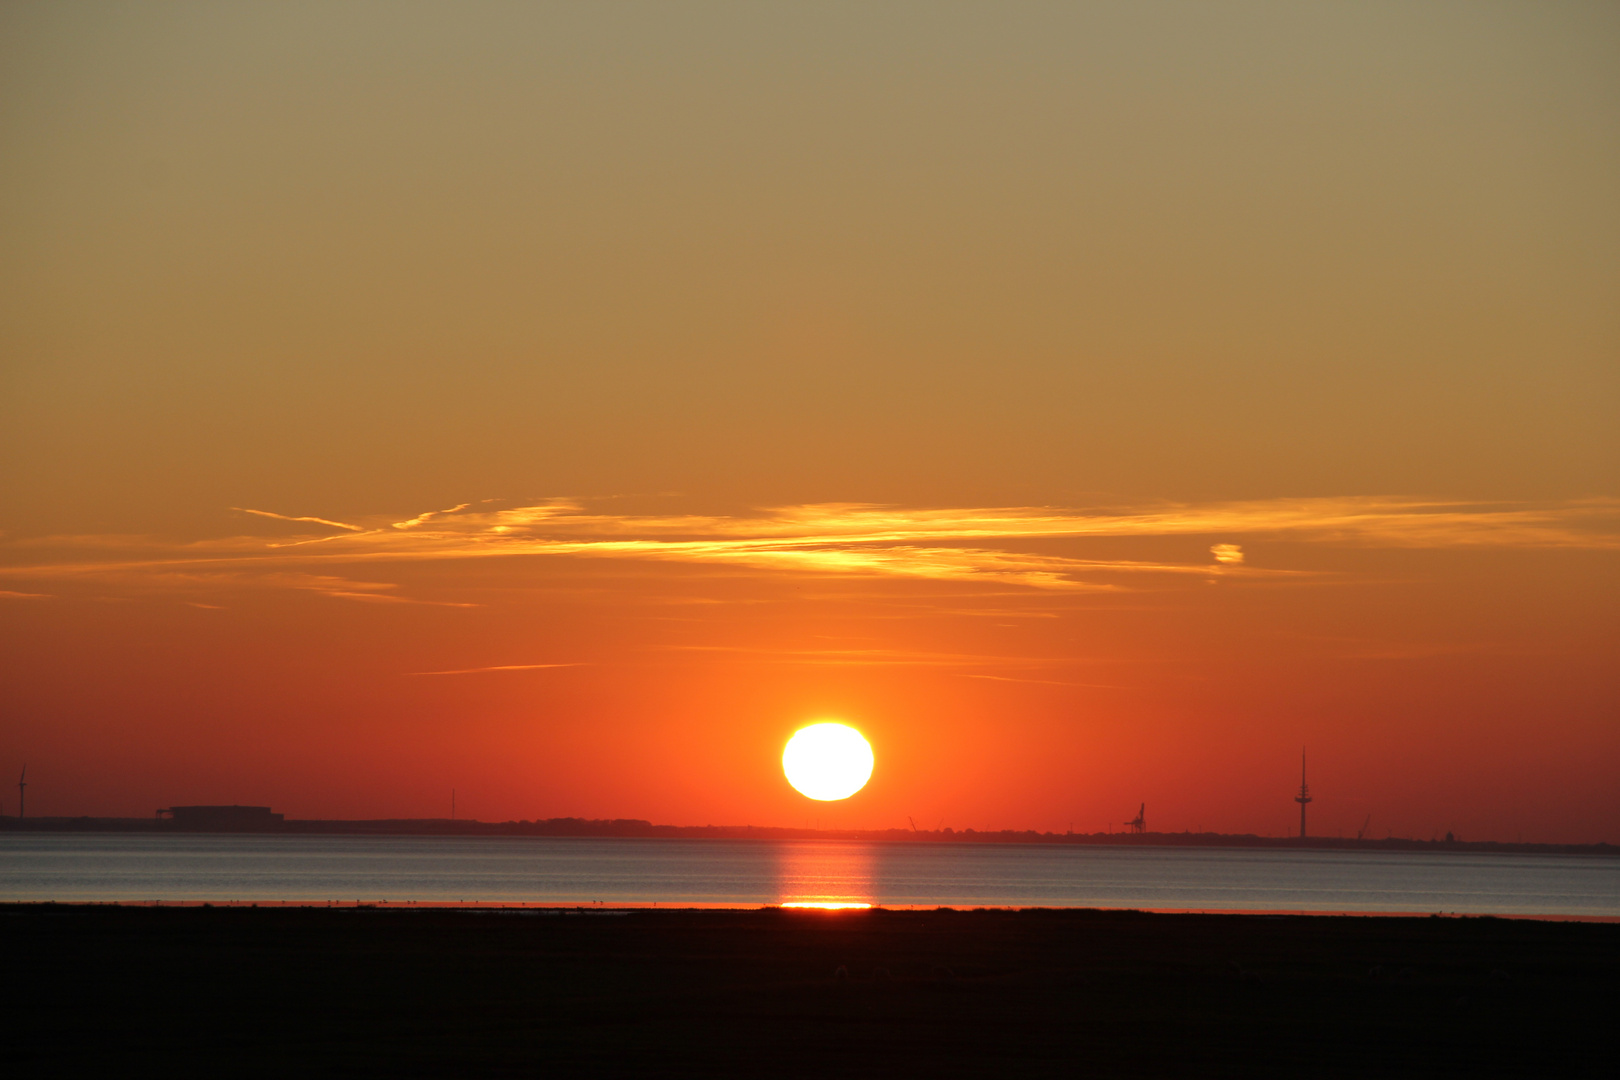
<point x="1304" y="795"/>
<point x="22" y="794"/>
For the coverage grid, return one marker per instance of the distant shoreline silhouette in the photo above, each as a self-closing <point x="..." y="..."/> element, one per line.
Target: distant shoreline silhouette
<point x="635" y="828"/>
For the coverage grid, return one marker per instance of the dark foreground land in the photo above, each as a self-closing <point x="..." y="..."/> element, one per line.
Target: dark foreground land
<point x="355" y="992"/>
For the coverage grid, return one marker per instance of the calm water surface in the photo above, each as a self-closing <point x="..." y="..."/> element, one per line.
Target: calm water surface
<point x="135" y="867"/>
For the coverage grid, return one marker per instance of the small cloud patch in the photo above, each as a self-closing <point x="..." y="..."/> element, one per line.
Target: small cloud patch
<point x="1230" y="554"/>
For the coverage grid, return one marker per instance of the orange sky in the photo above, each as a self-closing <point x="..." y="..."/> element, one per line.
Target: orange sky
<point x="564" y="404"/>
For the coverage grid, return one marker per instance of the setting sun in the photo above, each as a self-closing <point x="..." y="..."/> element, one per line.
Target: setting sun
<point x="827" y="761"/>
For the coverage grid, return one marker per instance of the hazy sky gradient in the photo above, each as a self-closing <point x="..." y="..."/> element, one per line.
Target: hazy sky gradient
<point x="679" y="267"/>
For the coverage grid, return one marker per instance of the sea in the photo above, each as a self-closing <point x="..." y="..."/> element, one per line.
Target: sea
<point x="570" y="872"/>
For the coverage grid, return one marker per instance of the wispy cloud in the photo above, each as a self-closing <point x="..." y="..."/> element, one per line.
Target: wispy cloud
<point x="366" y="592"/>
<point x="1038" y="682"/>
<point x="423" y="519"/>
<point x="215" y="575"/>
<point x="989" y="545"/>
<point x="311" y="520"/>
<point x="913" y="658"/>
<point x="873" y="657"/>
<point x="7" y="594"/>
<point x="1366" y="520"/>
<point x="498" y="667"/>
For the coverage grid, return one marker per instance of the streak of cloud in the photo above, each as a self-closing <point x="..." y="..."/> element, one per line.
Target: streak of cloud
<point x="1039" y="682"/>
<point x="1384" y="521"/>
<point x="949" y="545"/>
<point x="385" y="598"/>
<point x="312" y="520"/>
<point x="497" y="667"/>
<point x="367" y="592"/>
<point x="874" y="657"/>
<point x="424" y="518"/>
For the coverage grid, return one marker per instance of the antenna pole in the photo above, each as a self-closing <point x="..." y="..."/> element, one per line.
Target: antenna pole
<point x="22" y="794"/>
<point x="1304" y="795"/>
<point x="452" y="804"/>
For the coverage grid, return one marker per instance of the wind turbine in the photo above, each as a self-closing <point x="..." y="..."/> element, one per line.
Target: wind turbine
<point x="22" y="792"/>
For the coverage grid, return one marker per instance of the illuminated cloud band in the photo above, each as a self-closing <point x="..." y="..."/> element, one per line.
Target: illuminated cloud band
<point x="949" y="545"/>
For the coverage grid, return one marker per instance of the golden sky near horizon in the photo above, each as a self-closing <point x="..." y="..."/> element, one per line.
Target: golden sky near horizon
<point x="1091" y="403"/>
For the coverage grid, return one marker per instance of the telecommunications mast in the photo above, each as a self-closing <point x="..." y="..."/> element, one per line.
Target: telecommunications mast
<point x="1304" y="795"/>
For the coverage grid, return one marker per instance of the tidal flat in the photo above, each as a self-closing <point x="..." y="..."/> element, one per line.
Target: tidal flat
<point x="102" y="989"/>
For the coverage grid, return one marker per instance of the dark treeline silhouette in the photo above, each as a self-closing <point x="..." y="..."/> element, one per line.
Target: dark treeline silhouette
<point x="635" y="828"/>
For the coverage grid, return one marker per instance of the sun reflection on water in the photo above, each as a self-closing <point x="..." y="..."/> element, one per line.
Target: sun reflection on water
<point x="829" y="876"/>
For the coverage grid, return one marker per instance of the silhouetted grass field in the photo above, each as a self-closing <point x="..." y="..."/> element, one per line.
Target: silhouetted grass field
<point x="433" y="992"/>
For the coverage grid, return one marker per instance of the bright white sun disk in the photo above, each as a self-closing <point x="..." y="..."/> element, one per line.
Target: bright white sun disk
<point x="827" y="761"/>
